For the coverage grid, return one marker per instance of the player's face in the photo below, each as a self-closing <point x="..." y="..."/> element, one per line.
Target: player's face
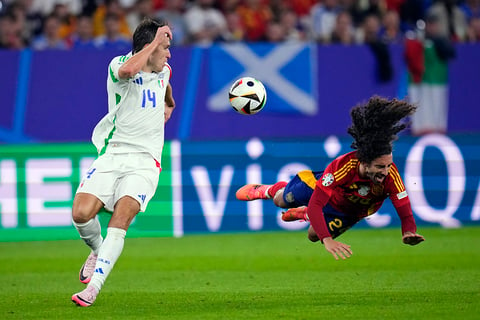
<point x="379" y="168"/>
<point x="159" y="57"/>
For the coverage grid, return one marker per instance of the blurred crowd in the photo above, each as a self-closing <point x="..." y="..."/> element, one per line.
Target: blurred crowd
<point x="67" y="24"/>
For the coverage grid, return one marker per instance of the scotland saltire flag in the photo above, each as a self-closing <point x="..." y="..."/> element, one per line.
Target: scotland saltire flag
<point x="288" y="71"/>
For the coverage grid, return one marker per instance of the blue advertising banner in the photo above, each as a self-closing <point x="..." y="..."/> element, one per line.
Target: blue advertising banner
<point x="440" y="173"/>
<point x="58" y="96"/>
<point x="463" y="90"/>
<point x="196" y="191"/>
<point x="9" y="93"/>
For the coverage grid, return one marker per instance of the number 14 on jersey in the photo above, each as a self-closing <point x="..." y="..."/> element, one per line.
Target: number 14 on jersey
<point x="148" y="97"/>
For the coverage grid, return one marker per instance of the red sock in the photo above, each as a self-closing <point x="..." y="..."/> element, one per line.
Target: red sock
<point x="277" y="186"/>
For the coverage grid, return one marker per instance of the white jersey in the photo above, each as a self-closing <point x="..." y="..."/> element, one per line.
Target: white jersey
<point x="135" y="120"/>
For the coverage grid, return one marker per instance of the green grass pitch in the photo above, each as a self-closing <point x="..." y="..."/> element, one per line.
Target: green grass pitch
<point x="268" y="275"/>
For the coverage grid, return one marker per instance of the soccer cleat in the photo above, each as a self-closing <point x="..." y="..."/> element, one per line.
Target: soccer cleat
<point x="86" y="272"/>
<point x="85" y="298"/>
<point x="294" y="214"/>
<point x="253" y="192"/>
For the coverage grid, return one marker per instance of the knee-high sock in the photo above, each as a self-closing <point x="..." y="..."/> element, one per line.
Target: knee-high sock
<point x="91" y="233"/>
<point x="272" y="191"/>
<point x="107" y="256"/>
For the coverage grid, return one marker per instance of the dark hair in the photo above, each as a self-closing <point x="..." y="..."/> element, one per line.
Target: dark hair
<point x="145" y="33"/>
<point x="375" y="126"/>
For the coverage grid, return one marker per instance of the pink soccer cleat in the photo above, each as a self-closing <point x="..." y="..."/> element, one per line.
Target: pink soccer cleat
<point x="85" y="298"/>
<point x="86" y="272"/>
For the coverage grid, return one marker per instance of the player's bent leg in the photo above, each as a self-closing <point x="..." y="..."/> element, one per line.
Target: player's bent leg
<point x="125" y="210"/>
<point x="85" y="207"/>
<point x="86" y="297"/>
<point x="84" y="210"/>
<point x="294" y="214"/>
<point x="251" y="192"/>
<point x="278" y="199"/>
<point x="312" y="235"/>
<point x="108" y="255"/>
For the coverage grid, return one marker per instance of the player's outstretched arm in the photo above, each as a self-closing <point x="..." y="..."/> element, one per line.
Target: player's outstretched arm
<point x="337" y="249"/>
<point x="412" y="238"/>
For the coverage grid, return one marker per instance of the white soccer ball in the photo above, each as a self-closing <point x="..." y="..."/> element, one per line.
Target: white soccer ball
<point x="247" y="95"/>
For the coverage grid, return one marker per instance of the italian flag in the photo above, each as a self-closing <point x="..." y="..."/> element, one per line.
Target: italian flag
<point x="427" y="86"/>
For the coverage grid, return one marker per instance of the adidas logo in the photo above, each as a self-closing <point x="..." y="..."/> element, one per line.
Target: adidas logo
<point x="138" y="81"/>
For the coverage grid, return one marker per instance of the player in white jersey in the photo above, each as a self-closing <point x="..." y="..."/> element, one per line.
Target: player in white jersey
<point x="129" y="140"/>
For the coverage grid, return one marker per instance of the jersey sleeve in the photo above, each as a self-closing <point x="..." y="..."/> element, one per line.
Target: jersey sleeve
<point x="334" y="174"/>
<point x="114" y="66"/>
<point x="318" y="200"/>
<point x="400" y="200"/>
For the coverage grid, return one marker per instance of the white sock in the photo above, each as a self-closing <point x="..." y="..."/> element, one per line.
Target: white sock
<point x="266" y="192"/>
<point x="279" y="191"/>
<point x="107" y="256"/>
<point x="91" y="233"/>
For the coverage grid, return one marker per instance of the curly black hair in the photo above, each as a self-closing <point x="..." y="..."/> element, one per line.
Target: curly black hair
<point x="375" y="125"/>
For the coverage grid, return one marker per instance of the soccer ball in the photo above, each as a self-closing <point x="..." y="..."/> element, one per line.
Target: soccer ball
<point x="247" y="95"/>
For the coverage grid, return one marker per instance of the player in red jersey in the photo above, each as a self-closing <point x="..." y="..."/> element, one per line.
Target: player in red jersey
<point x="354" y="185"/>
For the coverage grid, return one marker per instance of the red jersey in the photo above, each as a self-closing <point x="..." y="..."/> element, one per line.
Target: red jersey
<point x="342" y="188"/>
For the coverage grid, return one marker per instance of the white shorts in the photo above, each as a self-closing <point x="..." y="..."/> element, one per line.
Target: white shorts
<point x="113" y="176"/>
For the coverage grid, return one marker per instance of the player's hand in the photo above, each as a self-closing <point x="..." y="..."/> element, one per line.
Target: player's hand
<point x="163" y="33"/>
<point x="337" y="249"/>
<point x="412" y="238"/>
<point x="168" y="112"/>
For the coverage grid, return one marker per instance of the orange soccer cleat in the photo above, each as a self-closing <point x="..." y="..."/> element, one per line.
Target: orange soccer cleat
<point x="251" y="192"/>
<point x="294" y="214"/>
